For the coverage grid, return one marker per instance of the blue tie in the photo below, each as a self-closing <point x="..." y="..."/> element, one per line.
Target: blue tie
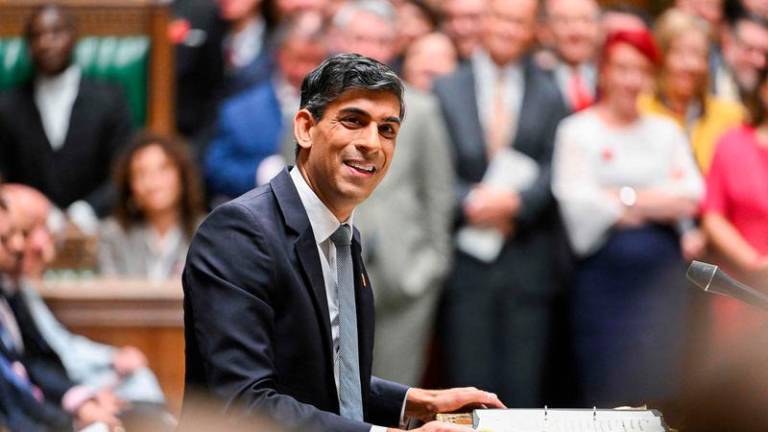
<point x="350" y="400"/>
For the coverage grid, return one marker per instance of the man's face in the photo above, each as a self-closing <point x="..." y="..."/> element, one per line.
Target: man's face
<point x="709" y="10"/>
<point x="291" y="7"/>
<point x="757" y="7"/>
<point x="366" y="34"/>
<point x="575" y="29"/>
<point x="51" y="41"/>
<point x="350" y="148"/>
<point x="233" y="10"/>
<point x="296" y="58"/>
<point x="509" y="29"/>
<point x="462" y="22"/>
<point x="11" y="245"/>
<point x="745" y="51"/>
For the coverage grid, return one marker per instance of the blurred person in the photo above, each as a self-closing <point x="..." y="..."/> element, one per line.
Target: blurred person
<point x="86" y="362"/>
<point x="734" y="216"/>
<point x="623" y="16"/>
<point x="59" y="132"/>
<point x="415" y="18"/>
<point x="462" y="22"/>
<point x="428" y="58"/>
<point x="744" y="46"/>
<point x="42" y="388"/>
<point x="405" y="225"/>
<point x="757" y="7"/>
<point x="627" y="184"/>
<point x="682" y="85"/>
<point x="158" y="208"/>
<point x="21" y="407"/>
<point x="246" y="43"/>
<point x="197" y="31"/>
<point x="365" y="25"/>
<point x="283" y="263"/>
<point x="710" y="11"/>
<point x="497" y="107"/>
<point x="252" y="126"/>
<point x="288" y="8"/>
<point x="572" y="31"/>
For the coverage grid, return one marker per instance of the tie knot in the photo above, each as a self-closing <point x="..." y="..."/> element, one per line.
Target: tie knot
<point x="342" y="236"/>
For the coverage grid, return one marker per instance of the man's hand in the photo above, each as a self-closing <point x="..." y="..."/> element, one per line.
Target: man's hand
<point x="91" y="412"/>
<point x="128" y="359"/>
<point x="424" y="404"/>
<point x="693" y="243"/>
<point x="491" y="207"/>
<point x="436" y="426"/>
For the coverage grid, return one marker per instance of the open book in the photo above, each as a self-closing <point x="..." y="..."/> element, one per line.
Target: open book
<point x="568" y="420"/>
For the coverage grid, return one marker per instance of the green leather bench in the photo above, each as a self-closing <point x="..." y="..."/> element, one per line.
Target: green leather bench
<point x="118" y="60"/>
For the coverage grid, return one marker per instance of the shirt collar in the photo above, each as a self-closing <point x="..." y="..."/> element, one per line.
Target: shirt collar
<point x="69" y="79"/>
<point x="322" y="220"/>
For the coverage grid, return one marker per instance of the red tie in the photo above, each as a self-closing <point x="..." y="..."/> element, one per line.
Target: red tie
<point x="579" y="94"/>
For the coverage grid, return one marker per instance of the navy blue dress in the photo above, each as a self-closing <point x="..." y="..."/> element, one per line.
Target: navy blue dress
<point x="629" y="309"/>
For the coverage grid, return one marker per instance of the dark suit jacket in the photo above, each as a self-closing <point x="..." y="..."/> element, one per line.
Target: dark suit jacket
<point x="257" y="325"/>
<point x="538" y="240"/>
<point x="99" y="126"/>
<point x="41" y="361"/>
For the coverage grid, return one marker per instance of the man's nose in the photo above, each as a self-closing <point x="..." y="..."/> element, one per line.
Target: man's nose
<point x="371" y="140"/>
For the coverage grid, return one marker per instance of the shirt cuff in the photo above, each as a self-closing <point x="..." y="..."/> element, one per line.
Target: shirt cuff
<point x="75" y="397"/>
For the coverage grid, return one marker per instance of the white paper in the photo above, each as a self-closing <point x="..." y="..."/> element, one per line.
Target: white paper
<point x="510" y="170"/>
<point x="535" y="420"/>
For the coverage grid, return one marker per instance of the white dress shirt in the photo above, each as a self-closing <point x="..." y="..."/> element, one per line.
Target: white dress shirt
<point x="324" y="224"/>
<point x="486" y="74"/>
<point x="54" y="97"/>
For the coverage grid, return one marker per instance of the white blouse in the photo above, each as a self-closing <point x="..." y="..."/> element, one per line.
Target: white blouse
<point x="592" y="158"/>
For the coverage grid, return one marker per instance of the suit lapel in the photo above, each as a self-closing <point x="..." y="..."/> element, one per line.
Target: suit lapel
<point x="78" y="118"/>
<point x="305" y="248"/>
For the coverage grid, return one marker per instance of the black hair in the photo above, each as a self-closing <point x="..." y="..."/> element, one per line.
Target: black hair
<point x="344" y="72"/>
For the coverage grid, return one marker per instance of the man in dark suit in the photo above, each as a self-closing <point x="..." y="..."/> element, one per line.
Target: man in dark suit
<point x="59" y="132"/>
<point x="278" y="305"/>
<point x="34" y="387"/>
<point x="498" y="105"/>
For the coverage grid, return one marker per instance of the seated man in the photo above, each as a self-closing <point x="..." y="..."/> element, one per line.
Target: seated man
<point x="35" y="392"/>
<point x="86" y="362"/>
<point x="59" y="132"/>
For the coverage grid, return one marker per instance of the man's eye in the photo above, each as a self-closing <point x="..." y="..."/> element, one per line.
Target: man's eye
<point x="387" y="131"/>
<point x="351" y="121"/>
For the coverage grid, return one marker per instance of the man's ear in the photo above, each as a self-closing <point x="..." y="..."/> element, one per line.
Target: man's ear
<point x="303" y="122"/>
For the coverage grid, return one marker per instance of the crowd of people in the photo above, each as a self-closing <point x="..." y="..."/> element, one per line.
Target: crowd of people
<point x="559" y="163"/>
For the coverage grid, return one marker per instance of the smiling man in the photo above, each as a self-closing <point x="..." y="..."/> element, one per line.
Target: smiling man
<point x="278" y="305"/>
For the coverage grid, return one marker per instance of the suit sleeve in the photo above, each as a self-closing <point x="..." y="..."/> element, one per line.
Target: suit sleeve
<point x="387" y="401"/>
<point x="228" y="280"/>
<point x="537" y="199"/>
<point x="116" y="133"/>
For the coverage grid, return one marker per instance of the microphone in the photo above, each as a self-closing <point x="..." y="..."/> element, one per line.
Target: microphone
<point x="711" y="279"/>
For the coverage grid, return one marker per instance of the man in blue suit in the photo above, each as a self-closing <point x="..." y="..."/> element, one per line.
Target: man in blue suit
<point x="251" y="125"/>
<point x="278" y="305"/>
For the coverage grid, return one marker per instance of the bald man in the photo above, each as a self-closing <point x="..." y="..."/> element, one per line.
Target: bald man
<point x="86" y="362"/>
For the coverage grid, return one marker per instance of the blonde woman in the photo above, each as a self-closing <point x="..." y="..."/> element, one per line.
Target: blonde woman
<point x="682" y="85"/>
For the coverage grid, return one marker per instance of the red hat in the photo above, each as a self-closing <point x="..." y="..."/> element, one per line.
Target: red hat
<point x="640" y="39"/>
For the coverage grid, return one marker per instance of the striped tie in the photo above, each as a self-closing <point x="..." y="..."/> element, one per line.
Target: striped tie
<point x="350" y="400"/>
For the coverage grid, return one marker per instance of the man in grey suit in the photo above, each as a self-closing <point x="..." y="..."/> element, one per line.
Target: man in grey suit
<point x="496" y="311"/>
<point x="406" y="223"/>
